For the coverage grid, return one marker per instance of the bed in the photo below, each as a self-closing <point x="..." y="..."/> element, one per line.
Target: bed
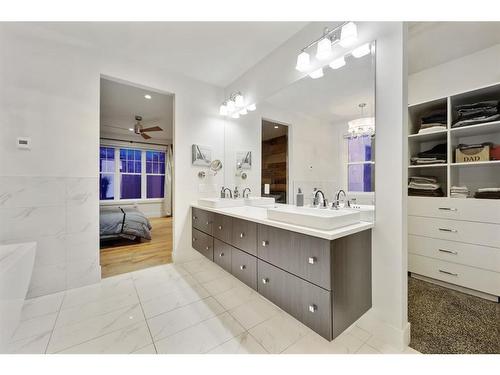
<point x="123" y="222"/>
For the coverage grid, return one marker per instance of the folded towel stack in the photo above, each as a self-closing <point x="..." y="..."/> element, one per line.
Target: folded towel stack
<point x="424" y="187"/>
<point x="488" y="193"/>
<point x="433" y="121"/>
<point x="436" y="155"/>
<point x="459" y="192"/>
<point x="477" y="113"/>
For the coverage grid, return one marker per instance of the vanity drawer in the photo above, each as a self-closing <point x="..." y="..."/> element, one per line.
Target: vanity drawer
<point x="455" y="230"/>
<point x="457" y="252"/>
<point x="244" y="235"/>
<point x="244" y="267"/>
<point x="469" y="277"/>
<point x="222" y="227"/>
<point x="222" y="254"/>
<point x="302" y="255"/>
<point x="203" y="243"/>
<point x="203" y="220"/>
<point x="308" y="303"/>
<point x="486" y="211"/>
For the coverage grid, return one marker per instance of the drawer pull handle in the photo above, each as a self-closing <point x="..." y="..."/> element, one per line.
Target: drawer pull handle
<point x="195" y="218"/>
<point x="242" y="235"/>
<point x="447" y="209"/>
<point x="194" y="239"/>
<point x="312" y="260"/>
<point x="265" y="280"/>
<point x="220" y="227"/>
<point x="265" y="243"/>
<point x="313" y="308"/>
<point x="221" y="255"/>
<point x="208" y="247"/>
<point x="448" y="230"/>
<point x="242" y="267"/>
<point x="448" y="273"/>
<point x="448" y="251"/>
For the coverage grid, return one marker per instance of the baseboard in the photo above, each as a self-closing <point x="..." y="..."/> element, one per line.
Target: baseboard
<point x="398" y="338"/>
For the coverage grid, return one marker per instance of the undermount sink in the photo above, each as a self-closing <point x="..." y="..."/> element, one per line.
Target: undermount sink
<point x="259" y="201"/>
<point x="221" y="202"/>
<point x="318" y="218"/>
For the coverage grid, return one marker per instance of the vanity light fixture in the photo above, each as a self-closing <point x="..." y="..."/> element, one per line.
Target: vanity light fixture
<point x="243" y="111"/>
<point x="324" y="51"/>
<point x="318" y="73"/>
<point x="234" y="106"/>
<point x="147" y="96"/>
<point x="230" y="105"/>
<point x="239" y="101"/>
<point x="348" y="34"/>
<point x="303" y="62"/>
<point x="338" y="63"/>
<point x="361" y="51"/>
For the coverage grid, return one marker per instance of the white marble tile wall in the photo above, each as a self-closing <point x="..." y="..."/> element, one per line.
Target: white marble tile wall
<point x="166" y="310"/>
<point x="61" y="214"/>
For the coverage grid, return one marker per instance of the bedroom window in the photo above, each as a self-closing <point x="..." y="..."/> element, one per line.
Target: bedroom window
<point x="130" y="173"/>
<point x="106" y="173"/>
<point x="155" y="174"/>
<point x="360" y="164"/>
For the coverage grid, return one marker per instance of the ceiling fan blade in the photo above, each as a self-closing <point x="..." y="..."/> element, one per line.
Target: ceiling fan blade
<point x="145" y="136"/>
<point x="152" y="129"/>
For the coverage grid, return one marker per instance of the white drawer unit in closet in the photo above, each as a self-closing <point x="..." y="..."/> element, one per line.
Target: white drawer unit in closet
<point x="455" y="230"/>
<point x="484" y="257"/>
<point x="454" y="273"/>
<point x="480" y="210"/>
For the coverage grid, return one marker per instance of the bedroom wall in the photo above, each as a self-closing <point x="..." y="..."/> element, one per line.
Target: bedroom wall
<point x="50" y="92"/>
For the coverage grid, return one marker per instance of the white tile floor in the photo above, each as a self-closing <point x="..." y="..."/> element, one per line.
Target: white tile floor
<point x="191" y="307"/>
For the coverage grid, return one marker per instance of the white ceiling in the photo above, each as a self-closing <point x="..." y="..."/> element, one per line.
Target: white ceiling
<point x="335" y="97"/>
<point x="434" y="43"/>
<point x="120" y="103"/>
<point x="213" y="52"/>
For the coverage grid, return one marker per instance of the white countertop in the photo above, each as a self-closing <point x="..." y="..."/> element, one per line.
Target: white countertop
<point x="259" y="215"/>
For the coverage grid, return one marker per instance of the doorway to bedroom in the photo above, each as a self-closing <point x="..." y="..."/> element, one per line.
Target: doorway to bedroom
<point x="135" y="177"/>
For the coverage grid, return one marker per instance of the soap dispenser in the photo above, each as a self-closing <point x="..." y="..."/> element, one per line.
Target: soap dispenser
<point x="300" y="198"/>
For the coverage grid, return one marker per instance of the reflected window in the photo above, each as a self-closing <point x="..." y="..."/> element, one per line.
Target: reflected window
<point x="130" y="173"/>
<point x="155" y="174"/>
<point x="106" y="173"/>
<point x="360" y="165"/>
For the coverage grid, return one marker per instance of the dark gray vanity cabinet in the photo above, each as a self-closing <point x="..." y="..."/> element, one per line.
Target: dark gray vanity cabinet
<point x="203" y="220"/>
<point x="222" y="254"/>
<point x="244" y="235"/>
<point x="305" y="256"/>
<point x="324" y="284"/>
<point x="204" y="243"/>
<point x="223" y="227"/>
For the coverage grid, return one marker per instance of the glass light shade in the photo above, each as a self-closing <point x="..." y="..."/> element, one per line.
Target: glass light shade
<point x="251" y="107"/>
<point x="362" y="126"/>
<point x="223" y="110"/>
<point x="348" y="34"/>
<point x="235" y="115"/>
<point x="239" y="101"/>
<point x="243" y="111"/>
<point x="361" y="50"/>
<point x="231" y="105"/>
<point x="318" y="73"/>
<point x="324" y="51"/>
<point x="303" y="62"/>
<point x="338" y="63"/>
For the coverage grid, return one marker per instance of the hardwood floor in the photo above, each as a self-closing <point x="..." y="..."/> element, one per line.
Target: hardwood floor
<point x="127" y="256"/>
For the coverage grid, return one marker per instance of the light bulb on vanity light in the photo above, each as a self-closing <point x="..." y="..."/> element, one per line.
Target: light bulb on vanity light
<point x="231" y="106"/>
<point x="223" y="110"/>
<point x="239" y="101"/>
<point x="303" y="62"/>
<point x="324" y="50"/>
<point x="338" y="63"/>
<point x="235" y="115"/>
<point x="243" y="111"/>
<point x="361" y="50"/>
<point x="348" y="34"/>
<point x="318" y="73"/>
<point x="251" y="107"/>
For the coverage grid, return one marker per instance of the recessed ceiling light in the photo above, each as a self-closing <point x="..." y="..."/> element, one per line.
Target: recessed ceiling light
<point x="131" y="129"/>
<point x="147" y="96"/>
<point x="276" y="126"/>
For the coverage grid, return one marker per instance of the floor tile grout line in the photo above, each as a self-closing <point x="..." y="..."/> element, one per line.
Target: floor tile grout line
<point x="145" y="319"/>
<point x="55" y="323"/>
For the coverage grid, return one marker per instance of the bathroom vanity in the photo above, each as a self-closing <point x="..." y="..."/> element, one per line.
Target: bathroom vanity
<point x="321" y="277"/>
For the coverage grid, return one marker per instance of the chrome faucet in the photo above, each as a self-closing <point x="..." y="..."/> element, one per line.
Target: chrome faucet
<point x="249" y="191"/>
<point x="316" y="202"/>
<point x="236" y="192"/>
<point x="336" y="202"/>
<point x="230" y="192"/>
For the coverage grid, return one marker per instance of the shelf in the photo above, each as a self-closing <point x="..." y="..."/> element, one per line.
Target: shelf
<point x="476" y="163"/>
<point x="435" y="136"/>
<point x="428" y="166"/>
<point x="478" y="129"/>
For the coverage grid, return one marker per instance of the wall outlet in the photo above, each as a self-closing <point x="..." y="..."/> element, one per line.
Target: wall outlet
<point x="23" y="143"/>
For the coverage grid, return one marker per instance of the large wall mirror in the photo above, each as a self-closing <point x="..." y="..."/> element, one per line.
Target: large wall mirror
<point x="317" y="133"/>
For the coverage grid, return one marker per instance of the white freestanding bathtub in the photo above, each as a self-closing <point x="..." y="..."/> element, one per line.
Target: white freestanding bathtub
<point x="16" y="267"/>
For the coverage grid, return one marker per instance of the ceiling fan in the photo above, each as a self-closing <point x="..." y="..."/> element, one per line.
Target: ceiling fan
<point x="140" y="130"/>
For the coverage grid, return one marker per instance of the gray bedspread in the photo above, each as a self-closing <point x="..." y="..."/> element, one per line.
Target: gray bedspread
<point x="129" y="223"/>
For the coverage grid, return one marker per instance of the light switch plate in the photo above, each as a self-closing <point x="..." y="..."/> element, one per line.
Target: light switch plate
<point x="24" y="143"/>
